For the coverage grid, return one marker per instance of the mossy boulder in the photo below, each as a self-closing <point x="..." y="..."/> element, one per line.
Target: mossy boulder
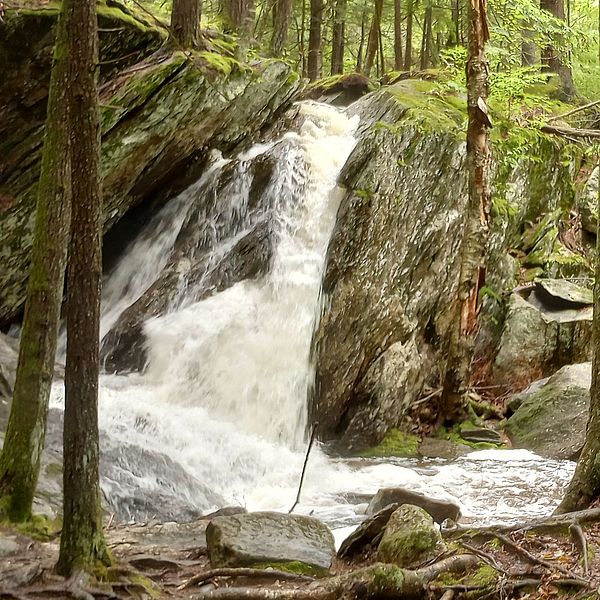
<point x="410" y="538"/>
<point x="299" y="544"/>
<point x="340" y="90"/>
<point x="551" y="415"/>
<point x="159" y="121"/>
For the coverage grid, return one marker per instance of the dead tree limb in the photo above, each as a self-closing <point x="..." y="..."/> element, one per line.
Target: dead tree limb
<point x="581" y="543"/>
<point x="571" y="132"/>
<point x="376" y="581"/>
<point x="241" y="572"/>
<point x="575" y="110"/>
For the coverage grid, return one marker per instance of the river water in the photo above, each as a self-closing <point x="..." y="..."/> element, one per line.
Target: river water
<point x="224" y="392"/>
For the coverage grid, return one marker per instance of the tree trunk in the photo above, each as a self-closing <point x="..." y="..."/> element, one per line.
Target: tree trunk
<point x="185" y="22"/>
<point x="585" y="485"/>
<point x="410" y="11"/>
<point x="361" y="45"/>
<point x="398" y="58"/>
<point x="239" y="19"/>
<point x="473" y="245"/>
<point x="551" y="58"/>
<point x="82" y="544"/>
<point x="338" y="39"/>
<point x="373" y="42"/>
<point x="283" y="11"/>
<point x="314" y="39"/>
<point x="455" y="38"/>
<point x="426" y="41"/>
<point x="20" y="458"/>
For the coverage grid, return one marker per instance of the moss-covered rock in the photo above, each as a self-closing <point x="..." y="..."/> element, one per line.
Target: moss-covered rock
<point x="410" y="538"/>
<point x="158" y="120"/>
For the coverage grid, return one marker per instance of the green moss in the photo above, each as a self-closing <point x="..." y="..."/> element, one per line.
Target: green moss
<point x="219" y="62"/>
<point x="382" y="575"/>
<point x="38" y="527"/>
<point x="395" y="443"/>
<point x="483" y="576"/>
<point x="292" y="566"/>
<point x="453" y="435"/>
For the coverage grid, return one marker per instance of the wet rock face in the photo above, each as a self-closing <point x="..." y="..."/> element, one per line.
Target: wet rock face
<point x="551" y="415"/>
<point x="268" y="539"/>
<point x="390" y="270"/>
<point x="158" y="122"/>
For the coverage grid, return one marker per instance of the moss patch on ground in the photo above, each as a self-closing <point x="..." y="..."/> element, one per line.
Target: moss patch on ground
<point x="395" y="443"/>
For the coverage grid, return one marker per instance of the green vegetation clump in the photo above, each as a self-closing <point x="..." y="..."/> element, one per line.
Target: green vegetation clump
<point x="395" y="443"/>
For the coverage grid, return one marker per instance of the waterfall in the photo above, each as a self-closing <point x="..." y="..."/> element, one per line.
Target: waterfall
<point x="219" y="414"/>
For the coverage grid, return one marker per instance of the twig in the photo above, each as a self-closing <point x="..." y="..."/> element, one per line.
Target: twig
<point x="241" y="572"/>
<point x="539" y="561"/>
<point x="434" y="393"/>
<point x="575" y="110"/>
<point x="486" y="557"/>
<point x="310" y="444"/>
<point x="448" y="595"/>
<point x="581" y="543"/>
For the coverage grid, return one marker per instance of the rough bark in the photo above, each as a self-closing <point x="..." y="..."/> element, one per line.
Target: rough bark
<point x="585" y="485"/>
<point x="314" y="39"/>
<point x="551" y="57"/>
<point x="20" y="459"/>
<point x="398" y="54"/>
<point x="427" y="35"/>
<point x="474" y="242"/>
<point x="373" y="42"/>
<point x="82" y="544"/>
<point x="239" y="18"/>
<point x="338" y="38"/>
<point x="361" y="45"/>
<point x="283" y="12"/>
<point x="185" y="22"/>
<point x="410" y="10"/>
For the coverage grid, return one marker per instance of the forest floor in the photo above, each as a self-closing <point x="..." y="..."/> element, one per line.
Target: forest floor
<point x="160" y="560"/>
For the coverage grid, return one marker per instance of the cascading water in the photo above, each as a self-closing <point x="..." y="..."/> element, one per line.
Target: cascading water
<point x="219" y="415"/>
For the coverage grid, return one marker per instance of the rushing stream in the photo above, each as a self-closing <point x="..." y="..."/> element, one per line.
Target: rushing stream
<point x="222" y="402"/>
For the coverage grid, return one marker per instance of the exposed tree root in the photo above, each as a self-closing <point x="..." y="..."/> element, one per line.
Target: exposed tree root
<point x="581" y="542"/>
<point x="239" y="572"/>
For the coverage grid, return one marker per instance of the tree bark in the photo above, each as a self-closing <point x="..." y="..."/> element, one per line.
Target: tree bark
<point x="239" y="18"/>
<point x="410" y="11"/>
<point x="361" y="45"/>
<point x="551" y="57"/>
<point x="185" y="22"/>
<point x="338" y="38"/>
<point x="314" y="39"/>
<point x="373" y="41"/>
<point x="585" y="485"/>
<point x="475" y="234"/>
<point x="20" y="458"/>
<point x="398" y="54"/>
<point x="82" y="544"/>
<point x="426" y="42"/>
<point x="283" y="12"/>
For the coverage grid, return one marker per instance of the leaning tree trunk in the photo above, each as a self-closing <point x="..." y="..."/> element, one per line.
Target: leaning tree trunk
<point x="24" y="441"/>
<point x="82" y="544"/>
<point x="314" y="39"/>
<point x="373" y="42"/>
<point x="475" y="233"/>
<point x="185" y="22"/>
<point x="283" y="11"/>
<point x="551" y="57"/>
<point x="338" y="37"/>
<point x="398" y="54"/>
<point x="585" y="485"/>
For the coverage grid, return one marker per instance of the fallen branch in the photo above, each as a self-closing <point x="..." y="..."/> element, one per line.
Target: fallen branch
<point x="581" y="543"/>
<point x="241" y="572"/>
<point x="575" y="110"/>
<point x="376" y="581"/>
<point x="571" y="132"/>
<point x="310" y="444"/>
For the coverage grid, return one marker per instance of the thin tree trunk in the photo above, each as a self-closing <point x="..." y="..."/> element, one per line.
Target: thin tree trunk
<point x="456" y="22"/>
<point x="338" y="39"/>
<point x="363" y="31"/>
<point x="283" y="12"/>
<point x="82" y="544"/>
<point x="239" y="18"/>
<point x="398" y="57"/>
<point x="185" y="22"/>
<point x="314" y="39"/>
<point x="426" y="40"/>
<point x="411" y="7"/>
<point x="585" y="485"/>
<point x="20" y="458"/>
<point x="551" y="59"/>
<point x="475" y="233"/>
<point x="528" y="49"/>
<point x="381" y="70"/>
<point x="373" y="42"/>
<point x="302" y="41"/>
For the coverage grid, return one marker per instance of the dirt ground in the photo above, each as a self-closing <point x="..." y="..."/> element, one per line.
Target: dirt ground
<point x="157" y="560"/>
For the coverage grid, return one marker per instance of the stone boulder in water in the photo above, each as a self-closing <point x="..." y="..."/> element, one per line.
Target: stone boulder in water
<point x="268" y="539"/>
<point x="551" y="414"/>
<point x="159" y="121"/>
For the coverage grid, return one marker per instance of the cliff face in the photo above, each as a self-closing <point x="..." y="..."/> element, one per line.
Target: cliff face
<point x="162" y="113"/>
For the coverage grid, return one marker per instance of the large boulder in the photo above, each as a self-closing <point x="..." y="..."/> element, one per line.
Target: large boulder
<point x="439" y="509"/>
<point x="410" y="538"/>
<point x="159" y="122"/>
<point x="269" y="539"/>
<point x="9" y="355"/>
<point x="551" y="415"/>
<point x="549" y="327"/>
<point x="587" y="202"/>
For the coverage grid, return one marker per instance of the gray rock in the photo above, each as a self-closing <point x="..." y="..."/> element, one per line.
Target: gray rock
<point x="480" y="434"/>
<point x="8" y="546"/>
<point x="410" y="538"/>
<point x="9" y="355"/>
<point x="552" y="415"/>
<point x="536" y="340"/>
<point x="367" y="534"/>
<point x="565" y="291"/>
<point x="438" y="448"/>
<point x="270" y="539"/>
<point x="440" y="510"/>
<point x="587" y="203"/>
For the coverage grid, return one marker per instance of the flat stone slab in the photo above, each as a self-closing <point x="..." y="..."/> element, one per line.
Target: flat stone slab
<point x="270" y="539"/>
